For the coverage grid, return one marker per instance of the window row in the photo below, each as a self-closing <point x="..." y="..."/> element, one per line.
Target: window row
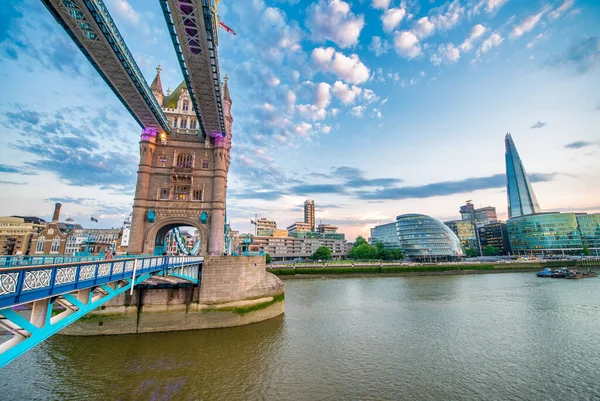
<point x="180" y="192"/>
<point x="184" y="160"/>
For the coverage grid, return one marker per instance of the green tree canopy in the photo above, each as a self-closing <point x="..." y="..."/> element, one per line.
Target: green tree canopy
<point x="359" y="241"/>
<point x="322" y="253"/>
<point x="364" y="251"/>
<point x="268" y="259"/>
<point x="471" y="252"/>
<point x="586" y="251"/>
<point x="490" y="251"/>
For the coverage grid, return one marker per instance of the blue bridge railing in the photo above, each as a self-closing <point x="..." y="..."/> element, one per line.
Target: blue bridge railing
<point x="75" y="289"/>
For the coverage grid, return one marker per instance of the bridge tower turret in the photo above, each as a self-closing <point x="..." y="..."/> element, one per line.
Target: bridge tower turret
<point x="156" y="87"/>
<point x="222" y="148"/>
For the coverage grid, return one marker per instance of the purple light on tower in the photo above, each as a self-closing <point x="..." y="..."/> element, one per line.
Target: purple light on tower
<point x="148" y="133"/>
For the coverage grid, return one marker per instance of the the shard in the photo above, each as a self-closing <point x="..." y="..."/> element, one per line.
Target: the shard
<point x="521" y="198"/>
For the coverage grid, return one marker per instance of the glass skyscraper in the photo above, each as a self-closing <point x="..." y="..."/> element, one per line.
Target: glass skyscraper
<point x="521" y="198"/>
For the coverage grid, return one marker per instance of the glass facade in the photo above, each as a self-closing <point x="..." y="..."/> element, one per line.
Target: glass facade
<point x="589" y="228"/>
<point x="465" y="231"/>
<point x="495" y="234"/>
<point x="424" y="238"/>
<point x="521" y="198"/>
<point x="386" y="234"/>
<point x="544" y="233"/>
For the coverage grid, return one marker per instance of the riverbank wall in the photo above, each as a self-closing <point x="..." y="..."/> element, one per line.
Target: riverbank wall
<point x="233" y="291"/>
<point x="390" y="269"/>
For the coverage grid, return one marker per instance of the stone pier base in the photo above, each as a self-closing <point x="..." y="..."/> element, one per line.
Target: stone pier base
<point x="234" y="291"/>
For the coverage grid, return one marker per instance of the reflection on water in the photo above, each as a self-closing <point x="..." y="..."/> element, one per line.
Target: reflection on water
<point x="509" y="336"/>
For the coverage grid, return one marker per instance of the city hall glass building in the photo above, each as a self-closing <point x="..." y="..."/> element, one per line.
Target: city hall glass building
<point x="424" y="238"/>
<point x="387" y="234"/>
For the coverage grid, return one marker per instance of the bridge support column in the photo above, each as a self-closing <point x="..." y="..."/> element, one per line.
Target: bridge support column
<point x="138" y="218"/>
<point x="39" y="312"/>
<point x="83" y="296"/>
<point x="216" y="244"/>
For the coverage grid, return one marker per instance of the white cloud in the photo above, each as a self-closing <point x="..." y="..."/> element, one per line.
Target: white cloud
<point x="273" y="81"/>
<point x="562" y="8"/>
<point x="423" y="28"/>
<point x="349" y="69"/>
<point x="493" y="41"/>
<point x="375" y="113"/>
<point x="344" y="93"/>
<point x="392" y="17"/>
<point x="323" y="96"/>
<point x="526" y="25"/>
<point x="303" y="128"/>
<point x="334" y="112"/>
<point x="311" y="112"/>
<point x="125" y="11"/>
<point x="379" y="46"/>
<point x="476" y="32"/>
<point x="493" y="5"/>
<point x="446" y="53"/>
<point x="333" y="20"/>
<point x="369" y="96"/>
<point x="381" y="4"/>
<point x="290" y="98"/>
<point x="358" y="111"/>
<point x="384" y="101"/>
<point x="447" y="19"/>
<point x="407" y="44"/>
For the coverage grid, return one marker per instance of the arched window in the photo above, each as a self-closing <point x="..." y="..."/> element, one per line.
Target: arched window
<point x="175" y="123"/>
<point x="55" y="245"/>
<point x="193" y="124"/>
<point x="39" y="248"/>
<point x="185" y="160"/>
<point x="185" y="106"/>
<point x="184" y="123"/>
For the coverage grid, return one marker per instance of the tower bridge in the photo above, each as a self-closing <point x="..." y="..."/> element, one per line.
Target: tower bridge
<point x="182" y="181"/>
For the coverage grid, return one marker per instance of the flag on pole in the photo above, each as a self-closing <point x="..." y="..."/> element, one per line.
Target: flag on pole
<point x="228" y="29"/>
<point x="93" y="219"/>
<point x="252" y="222"/>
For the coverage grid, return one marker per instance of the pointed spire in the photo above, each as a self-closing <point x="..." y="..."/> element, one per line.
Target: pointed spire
<point x="226" y="89"/>
<point x="156" y="86"/>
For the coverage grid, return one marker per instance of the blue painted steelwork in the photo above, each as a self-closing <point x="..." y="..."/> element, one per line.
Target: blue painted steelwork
<point x="37" y="260"/>
<point x="182" y="246"/>
<point x="188" y="37"/>
<point x="73" y="15"/>
<point x="55" y="284"/>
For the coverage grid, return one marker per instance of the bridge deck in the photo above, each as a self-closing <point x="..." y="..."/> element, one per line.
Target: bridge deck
<point x="93" y="30"/>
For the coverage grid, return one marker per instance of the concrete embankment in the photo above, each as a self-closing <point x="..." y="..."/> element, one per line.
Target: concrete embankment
<point x="234" y="291"/>
<point x="390" y="269"/>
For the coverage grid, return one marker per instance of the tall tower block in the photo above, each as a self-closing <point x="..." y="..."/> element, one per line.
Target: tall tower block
<point x="521" y="198"/>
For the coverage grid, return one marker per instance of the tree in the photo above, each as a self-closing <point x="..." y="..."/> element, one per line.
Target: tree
<point x="471" y="252"/>
<point x="396" y="254"/>
<point x="490" y="251"/>
<point x="364" y="251"/>
<point x="268" y="259"/>
<point x="586" y="251"/>
<point x="359" y="241"/>
<point x="322" y="253"/>
<point x="382" y="253"/>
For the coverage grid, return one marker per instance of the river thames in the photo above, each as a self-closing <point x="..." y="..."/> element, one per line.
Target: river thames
<point x="491" y="336"/>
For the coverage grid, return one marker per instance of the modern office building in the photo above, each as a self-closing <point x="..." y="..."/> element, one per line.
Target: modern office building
<point x="589" y="229"/>
<point x="298" y="227"/>
<point x="387" y="234"/>
<point x="291" y="248"/>
<point x="265" y="227"/>
<point x="495" y="234"/>
<point x="479" y="216"/>
<point x="424" y="238"/>
<point x="547" y="233"/>
<point x="309" y="213"/>
<point x="466" y="233"/>
<point x="521" y="198"/>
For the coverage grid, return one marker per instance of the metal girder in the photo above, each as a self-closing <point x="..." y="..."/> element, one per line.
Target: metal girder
<point x="193" y="32"/>
<point x="63" y="285"/>
<point x="94" y="32"/>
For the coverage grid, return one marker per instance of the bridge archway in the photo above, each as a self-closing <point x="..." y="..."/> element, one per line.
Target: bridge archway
<point x="155" y="238"/>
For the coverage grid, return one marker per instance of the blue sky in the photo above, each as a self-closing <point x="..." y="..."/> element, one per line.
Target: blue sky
<point x="372" y="108"/>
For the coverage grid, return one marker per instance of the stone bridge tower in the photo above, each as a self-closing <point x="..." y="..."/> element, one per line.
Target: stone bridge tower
<point x="182" y="177"/>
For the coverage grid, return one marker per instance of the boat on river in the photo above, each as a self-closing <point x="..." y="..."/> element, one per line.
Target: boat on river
<point x="565" y="273"/>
